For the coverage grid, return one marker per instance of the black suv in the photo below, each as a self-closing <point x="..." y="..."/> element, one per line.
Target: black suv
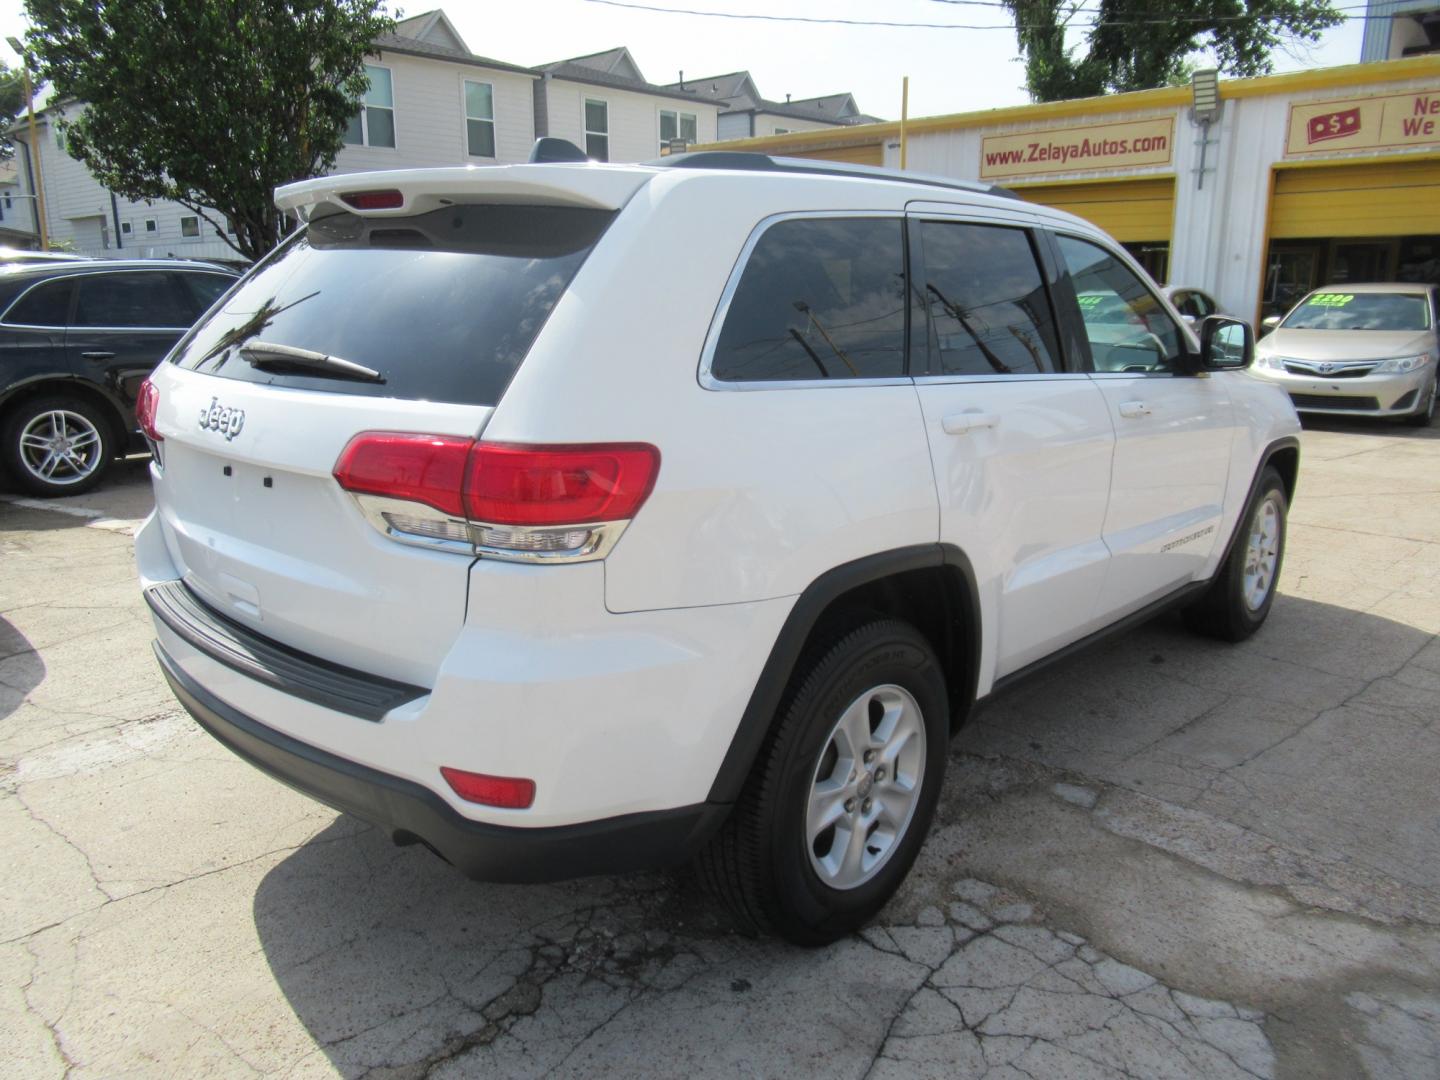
<point x="76" y="339"/>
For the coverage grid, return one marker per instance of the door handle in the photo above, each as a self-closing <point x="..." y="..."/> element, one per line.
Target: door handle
<point x="1133" y="410"/>
<point x="960" y="423"/>
<point x="98" y="355"/>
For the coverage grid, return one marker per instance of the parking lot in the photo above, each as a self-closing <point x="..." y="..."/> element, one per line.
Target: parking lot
<point x="1166" y="857"/>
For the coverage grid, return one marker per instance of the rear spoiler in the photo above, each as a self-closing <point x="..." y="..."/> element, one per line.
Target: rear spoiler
<point x="600" y="187"/>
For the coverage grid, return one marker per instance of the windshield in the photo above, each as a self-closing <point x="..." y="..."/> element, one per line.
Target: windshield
<point x="1337" y="310"/>
<point x="441" y="306"/>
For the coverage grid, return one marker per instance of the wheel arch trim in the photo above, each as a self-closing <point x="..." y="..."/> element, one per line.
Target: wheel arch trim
<point x="759" y="715"/>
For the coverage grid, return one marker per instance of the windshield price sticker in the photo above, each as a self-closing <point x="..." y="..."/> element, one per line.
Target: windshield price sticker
<point x="1089" y="301"/>
<point x="1329" y="299"/>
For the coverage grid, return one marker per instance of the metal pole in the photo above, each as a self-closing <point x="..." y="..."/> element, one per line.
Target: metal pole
<point x="904" y="119"/>
<point x="35" y="156"/>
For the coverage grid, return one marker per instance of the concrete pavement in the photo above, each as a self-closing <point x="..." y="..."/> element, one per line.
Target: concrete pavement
<point x="1165" y="857"/>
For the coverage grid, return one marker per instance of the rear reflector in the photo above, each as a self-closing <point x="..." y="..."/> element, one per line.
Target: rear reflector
<point x="559" y="485"/>
<point x="427" y="469"/>
<point x="374" y="200"/>
<point x="508" y="792"/>
<point x="147" y="404"/>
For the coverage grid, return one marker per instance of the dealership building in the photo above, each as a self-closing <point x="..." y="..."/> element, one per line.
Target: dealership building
<point x="1255" y="190"/>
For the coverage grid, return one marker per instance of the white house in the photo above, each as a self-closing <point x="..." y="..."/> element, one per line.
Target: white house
<point x="431" y="102"/>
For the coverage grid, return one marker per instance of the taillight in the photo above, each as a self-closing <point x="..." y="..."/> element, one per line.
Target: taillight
<point x="562" y="503"/>
<point x="374" y="200"/>
<point x="509" y="792"/>
<point x="558" y="485"/>
<point x="147" y="404"/>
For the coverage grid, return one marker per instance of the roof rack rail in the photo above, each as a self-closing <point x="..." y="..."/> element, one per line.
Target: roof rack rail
<point x="751" y="161"/>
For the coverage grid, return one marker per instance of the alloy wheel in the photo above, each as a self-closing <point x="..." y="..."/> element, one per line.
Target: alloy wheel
<point x="865" y="786"/>
<point x="1262" y="553"/>
<point x="61" y="447"/>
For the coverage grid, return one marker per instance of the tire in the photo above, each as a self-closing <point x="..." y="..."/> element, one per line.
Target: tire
<point x="57" y="445"/>
<point x="1424" y="412"/>
<point x="1239" y="598"/>
<point x="881" y="683"/>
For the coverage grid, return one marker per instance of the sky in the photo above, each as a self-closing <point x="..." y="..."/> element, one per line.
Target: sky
<point x="950" y="70"/>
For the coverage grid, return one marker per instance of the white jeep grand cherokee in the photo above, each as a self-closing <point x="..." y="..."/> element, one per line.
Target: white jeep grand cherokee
<point x="569" y="518"/>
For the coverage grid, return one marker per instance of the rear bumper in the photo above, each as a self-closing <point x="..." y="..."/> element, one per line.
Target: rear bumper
<point x="411" y="813"/>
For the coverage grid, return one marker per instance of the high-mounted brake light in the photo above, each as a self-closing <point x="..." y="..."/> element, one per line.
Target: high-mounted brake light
<point x="147" y="404"/>
<point x="508" y="792"/>
<point x="553" y="503"/>
<point x="374" y="200"/>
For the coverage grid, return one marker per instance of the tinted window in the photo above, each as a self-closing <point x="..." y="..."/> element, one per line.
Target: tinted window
<point x="44" y="305"/>
<point x="989" y="312"/>
<point x="1335" y="309"/>
<point x="1127" y="328"/>
<point x="142" y="298"/>
<point x="820" y="298"/>
<point x="444" y="305"/>
<point x="205" y="289"/>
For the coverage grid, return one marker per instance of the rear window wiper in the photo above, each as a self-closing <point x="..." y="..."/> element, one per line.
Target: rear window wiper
<point x="264" y="354"/>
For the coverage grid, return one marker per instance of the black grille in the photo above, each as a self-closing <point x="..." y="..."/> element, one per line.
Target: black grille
<point x="1337" y="402"/>
<point x="343" y="689"/>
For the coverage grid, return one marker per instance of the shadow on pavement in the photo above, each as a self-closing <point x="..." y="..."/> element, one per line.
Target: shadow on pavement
<point x="21" y="669"/>
<point x="1312" y="733"/>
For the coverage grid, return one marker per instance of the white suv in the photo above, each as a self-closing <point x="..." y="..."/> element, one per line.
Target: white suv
<point x="570" y="518"/>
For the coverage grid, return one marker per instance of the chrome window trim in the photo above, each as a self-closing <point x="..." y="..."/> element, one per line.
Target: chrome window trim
<point x="1019" y="376"/>
<point x="717" y="321"/>
<point x="4" y="322"/>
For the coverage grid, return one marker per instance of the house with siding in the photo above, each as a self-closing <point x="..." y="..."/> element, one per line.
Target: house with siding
<point x="745" y="114"/>
<point x="431" y="101"/>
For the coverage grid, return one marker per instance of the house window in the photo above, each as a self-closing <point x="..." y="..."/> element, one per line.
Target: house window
<point x="190" y="226"/>
<point x="374" y="124"/>
<point x="479" y="119"/>
<point x="675" y="125"/>
<point x="597" y="129"/>
<point x="151" y="225"/>
<point x="125" y="228"/>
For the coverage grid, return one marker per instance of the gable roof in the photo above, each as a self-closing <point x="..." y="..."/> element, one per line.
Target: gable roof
<point x="409" y="46"/>
<point x="434" y="27"/>
<point x="735" y="90"/>
<point x="608" y="69"/>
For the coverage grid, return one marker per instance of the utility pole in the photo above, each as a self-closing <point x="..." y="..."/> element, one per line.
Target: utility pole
<point x="15" y="44"/>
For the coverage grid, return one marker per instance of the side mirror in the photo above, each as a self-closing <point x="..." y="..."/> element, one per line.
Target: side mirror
<point x="1225" y="344"/>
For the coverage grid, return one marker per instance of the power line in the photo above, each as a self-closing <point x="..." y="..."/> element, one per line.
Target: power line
<point x="825" y="21"/>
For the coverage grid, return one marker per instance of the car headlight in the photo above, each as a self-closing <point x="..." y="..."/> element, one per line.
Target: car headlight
<point x="1272" y="361"/>
<point x="1402" y="364"/>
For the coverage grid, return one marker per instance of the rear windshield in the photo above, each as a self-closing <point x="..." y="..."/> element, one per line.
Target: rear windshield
<point x="1339" y="310"/>
<point x="443" y="305"/>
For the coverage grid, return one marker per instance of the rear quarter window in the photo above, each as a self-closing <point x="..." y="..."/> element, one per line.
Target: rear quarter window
<point x="819" y="298"/>
<point x="445" y="305"/>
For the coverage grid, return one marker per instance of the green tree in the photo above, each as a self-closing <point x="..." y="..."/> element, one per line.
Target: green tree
<point x="12" y="104"/>
<point x="1139" y="45"/>
<point x="211" y="103"/>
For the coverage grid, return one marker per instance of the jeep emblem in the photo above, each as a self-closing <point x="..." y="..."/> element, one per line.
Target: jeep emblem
<point x="222" y="418"/>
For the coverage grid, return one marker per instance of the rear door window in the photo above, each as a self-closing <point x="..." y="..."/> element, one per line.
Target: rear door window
<point x="205" y="289"/>
<point x="819" y="299"/>
<point x="144" y="298"/>
<point x="989" y="312"/>
<point x="444" y="305"/>
<point x="47" y="304"/>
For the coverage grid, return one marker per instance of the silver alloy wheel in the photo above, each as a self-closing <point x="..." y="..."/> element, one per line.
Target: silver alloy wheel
<point x="60" y="447"/>
<point x="865" y="786"/>
<point x="1262" y="552"/>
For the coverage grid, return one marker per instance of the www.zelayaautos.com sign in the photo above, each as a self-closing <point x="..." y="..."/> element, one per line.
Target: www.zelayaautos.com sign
<point x="1125" y="144"/>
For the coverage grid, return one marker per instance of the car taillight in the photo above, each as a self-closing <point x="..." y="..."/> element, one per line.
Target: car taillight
<point x="556" y="503"/>
<point x="147" y="404"/>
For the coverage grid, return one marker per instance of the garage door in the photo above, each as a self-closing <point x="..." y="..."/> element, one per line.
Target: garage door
<point x="1394" y="198"/>
<point x="873" y="154"/>
<point x="1129" y="210"/>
